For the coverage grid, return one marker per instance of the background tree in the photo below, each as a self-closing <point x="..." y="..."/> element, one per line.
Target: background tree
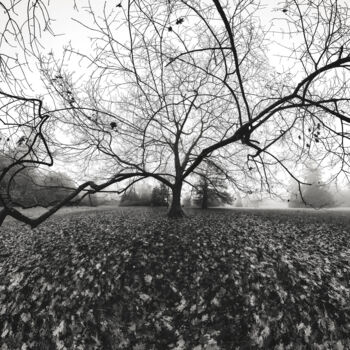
<point x="160" y="196"/>
<point x="211" y="189"/>
<point x="52" y="188"/>
<point x="314" y="195"/>
<point x="135" y="197"/>
<point x="27" y="186"/>
<point x="129" y="197"/>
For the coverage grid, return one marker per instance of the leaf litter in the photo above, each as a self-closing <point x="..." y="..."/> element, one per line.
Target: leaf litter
<point x="216" y="280"/>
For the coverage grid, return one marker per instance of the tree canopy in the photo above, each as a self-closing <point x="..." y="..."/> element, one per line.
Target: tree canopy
<point x="170" y="84"/>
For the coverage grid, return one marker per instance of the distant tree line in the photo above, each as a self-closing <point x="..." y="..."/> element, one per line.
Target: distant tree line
<point x="29" y="187"/>
<point x="159" y="196"/>
<point x="209" y="190"/>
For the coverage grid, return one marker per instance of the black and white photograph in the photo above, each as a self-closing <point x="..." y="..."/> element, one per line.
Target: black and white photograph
<point x="174" y="174"/>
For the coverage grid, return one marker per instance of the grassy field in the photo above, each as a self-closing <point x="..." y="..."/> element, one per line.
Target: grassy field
<point x="37" y="211"/>
<point x="220" y="279"/>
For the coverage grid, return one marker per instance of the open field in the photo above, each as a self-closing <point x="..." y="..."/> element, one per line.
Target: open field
<point x="35" y="212"/>
<point x="221" y="279"/>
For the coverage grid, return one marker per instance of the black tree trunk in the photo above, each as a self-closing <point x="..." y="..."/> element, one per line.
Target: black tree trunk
<point x="175" y="210"/>
<point x="3" y="214"/>
<point x="205" y="196"/>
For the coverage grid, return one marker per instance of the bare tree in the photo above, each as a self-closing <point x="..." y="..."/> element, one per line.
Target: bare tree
<point x="211" y="187"/>
<point x="144" y="109"/>
<point x="173" y="83"/>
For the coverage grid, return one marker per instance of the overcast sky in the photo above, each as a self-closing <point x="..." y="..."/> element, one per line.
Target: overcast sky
<point x="68" y="30"/>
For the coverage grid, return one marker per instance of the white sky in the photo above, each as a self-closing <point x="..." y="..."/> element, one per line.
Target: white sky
<point x="63" y="13"/>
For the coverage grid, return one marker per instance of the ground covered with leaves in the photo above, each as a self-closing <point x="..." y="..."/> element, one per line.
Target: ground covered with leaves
<point x="133" y="279"/>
